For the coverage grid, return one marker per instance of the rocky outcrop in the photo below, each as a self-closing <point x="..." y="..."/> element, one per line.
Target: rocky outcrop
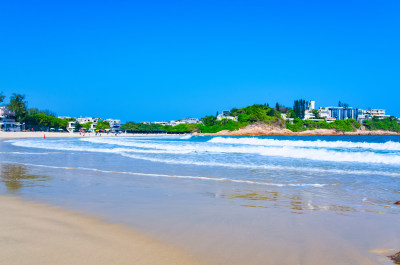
<point x="258" y="129"/>
<point x="395" y="258"/>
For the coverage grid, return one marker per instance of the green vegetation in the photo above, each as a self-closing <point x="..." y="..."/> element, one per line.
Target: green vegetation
<point x="299" y="107"/>
<point x="102" y="125"/>
<point x="300" y="125"/>
<point x="40" y="120"/>
<point x="389" y="124"/>
<point x="2" y="97"/>
<point x="77" y="126"/>
<point x="18" y="105"/>
<point x="221" y="125"/>
<point x="141" y="127"/>
<point x="316" y="114"/>
<point x="85" y="126"/>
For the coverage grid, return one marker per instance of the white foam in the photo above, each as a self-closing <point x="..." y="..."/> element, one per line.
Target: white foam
<point x="203" y="148"/>
<point x="265" y="167"/>
<point x="395" y="146"/>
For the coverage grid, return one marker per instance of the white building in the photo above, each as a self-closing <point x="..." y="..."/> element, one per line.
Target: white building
<point x="380" y="113"/>
<point x="190" y="120"/>
<point x="7" y="121"/>
<point x="323" y="113"/>
<point x="225" y="115"/>
<point x="308" y="114"/>
<point x="115" y="125"/>
<point x="71" y="126"/>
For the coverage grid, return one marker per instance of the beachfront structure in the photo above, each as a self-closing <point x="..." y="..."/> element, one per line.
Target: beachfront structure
<point x="225" y="114"/>
<point x="308" y="113"/>
<point x="191" y="120"/>
<point x="380" y="113"/>
<point x="71" y="126"/>
<point x="177" y="122"/>
<point x="343" y="113"/>
<point x="115" y="125"/>
<point x="331" y="114"/>
<point x="7" y="121"/>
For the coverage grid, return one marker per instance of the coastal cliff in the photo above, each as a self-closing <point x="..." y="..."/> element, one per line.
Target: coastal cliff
<point x="261" y="128"/>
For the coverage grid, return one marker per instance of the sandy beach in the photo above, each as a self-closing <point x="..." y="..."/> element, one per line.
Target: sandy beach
<point x="33" y="233"/>
<point x="21" y="135"/>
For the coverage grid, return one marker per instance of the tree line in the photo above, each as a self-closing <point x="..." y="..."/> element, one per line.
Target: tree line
<point x="33" y="118"/>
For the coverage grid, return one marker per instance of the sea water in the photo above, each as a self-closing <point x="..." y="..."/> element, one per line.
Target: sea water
<point x="361" y="172"/>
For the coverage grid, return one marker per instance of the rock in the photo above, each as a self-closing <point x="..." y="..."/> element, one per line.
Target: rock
<point x="395" y="258"/>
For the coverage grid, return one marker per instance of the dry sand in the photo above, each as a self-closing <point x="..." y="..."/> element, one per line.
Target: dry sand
<point x="32" y="233"/>
<point x="17" y="135"/>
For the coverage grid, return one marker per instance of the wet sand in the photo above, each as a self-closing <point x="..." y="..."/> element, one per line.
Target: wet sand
<point x="33" y="233"/>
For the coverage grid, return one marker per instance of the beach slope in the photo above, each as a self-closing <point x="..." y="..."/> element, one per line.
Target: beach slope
<point x="32" y="233"/>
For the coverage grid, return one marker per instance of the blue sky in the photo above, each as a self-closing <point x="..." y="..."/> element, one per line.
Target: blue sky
<point x="162" y="60"/>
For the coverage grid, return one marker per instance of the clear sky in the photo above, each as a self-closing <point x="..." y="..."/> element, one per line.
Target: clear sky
<point x="161" y="60"/>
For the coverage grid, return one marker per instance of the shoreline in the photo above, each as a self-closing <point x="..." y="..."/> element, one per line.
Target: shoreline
<point x="252" y="131"/>
<point x="22" y="135"/>
<point x="36" y="233"/>
<point x="268" y="130"/>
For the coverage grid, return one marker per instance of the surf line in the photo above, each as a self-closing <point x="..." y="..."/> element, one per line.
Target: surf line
<point x="316" y="185"/>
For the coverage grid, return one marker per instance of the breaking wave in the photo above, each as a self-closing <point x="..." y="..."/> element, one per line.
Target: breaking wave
<point x="393" y="146"/>
<point x="229" y="147"/>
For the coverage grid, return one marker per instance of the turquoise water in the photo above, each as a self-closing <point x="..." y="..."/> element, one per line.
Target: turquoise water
<point x="328" y="173"/>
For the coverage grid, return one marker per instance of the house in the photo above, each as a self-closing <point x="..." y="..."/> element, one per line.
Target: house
<point x="115" y="125"/>
<point x="380" y="113"/>
<point x="225" y="114"/>
<point x="71" y="126"/>
<point x="7" y="121"/>
<point x="190" y="120"/>
<point x="308" y="113"/>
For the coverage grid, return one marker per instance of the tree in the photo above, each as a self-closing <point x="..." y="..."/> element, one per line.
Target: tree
<point x="102" y="125"/>
<point x="291" y="114"/>
<point x="316" y="114"/>
<point x="18" y="105"/>
<point x="277" y="106"/>
<point x="234" y="112"/>
<point x="209" y="120"/>
<point x="299" y="107"/>
<point x="77" y="126"/>
<point x="87" y="125"/>
<point x="344" y="105"/>
<point x="2" y="97"/>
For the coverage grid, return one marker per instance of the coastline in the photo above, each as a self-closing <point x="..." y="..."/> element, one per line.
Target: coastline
<point x="268" y="130"/>
<point x="36" y="233"/>
<point x="22" y="135"/>
<point x="247" y="131"/>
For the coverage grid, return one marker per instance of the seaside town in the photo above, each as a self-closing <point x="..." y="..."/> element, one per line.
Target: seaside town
<point x="8" y="121"/>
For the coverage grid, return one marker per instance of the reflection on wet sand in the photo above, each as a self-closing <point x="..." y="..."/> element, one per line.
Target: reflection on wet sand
<point x="15" y="177"/>
<point x="298" y="203"/>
